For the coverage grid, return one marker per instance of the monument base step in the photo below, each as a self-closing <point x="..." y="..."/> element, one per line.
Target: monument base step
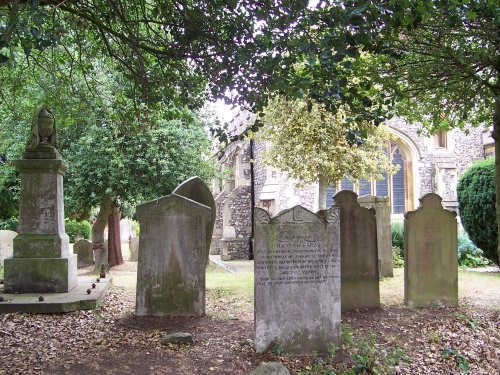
<point x="76" y="299"/>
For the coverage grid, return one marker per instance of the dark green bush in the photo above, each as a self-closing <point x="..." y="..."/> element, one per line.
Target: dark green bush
<point x="74" y="228"/>
<point x="469" y="255"/>
<point x="9" y="224"/>
<point x="476" y="202"/>
<point x="398" y="235"/>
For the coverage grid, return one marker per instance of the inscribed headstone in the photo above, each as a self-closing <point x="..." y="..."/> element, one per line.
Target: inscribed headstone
<point x="6" y="244"/>
<point x="384" y="236"/>
<point x="297" y="281"/>
<point x="431" y="258"/>
<point x="83" y="249"/>
<point x="173" y="257"/>
<point x="358" y="253"/>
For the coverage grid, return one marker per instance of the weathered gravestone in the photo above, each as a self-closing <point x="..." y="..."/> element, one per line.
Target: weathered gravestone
<point x="297" y="280"/>
<point x="173" y="257"/>
<point x="125" y="230"/>
<point x="42" y="261"/>
<point x="195" y="189"/>
<point x="431" y="258"/>
<point x="358" y="253"/>
<point x="6" y="244"/>
<point x="384" y="236"/>
<point x="133" y="245"/>
<point x="83" y="249"/>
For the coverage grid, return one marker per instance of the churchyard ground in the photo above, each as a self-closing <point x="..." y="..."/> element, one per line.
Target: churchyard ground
<point x="393" y="339"/>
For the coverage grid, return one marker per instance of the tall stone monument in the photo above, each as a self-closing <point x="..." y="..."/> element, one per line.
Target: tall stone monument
<point x="297" y="280"/>
<point x="431" y="257"/>
<point x="173" y="256"/>
<point x="42" y="261"/>
<point x="358" y="253"/>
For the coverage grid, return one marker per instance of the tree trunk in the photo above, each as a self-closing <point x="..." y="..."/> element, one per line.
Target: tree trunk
<point x="496" y="137"/>
<point x="322" y="193"/>
<point x="115" y="257"/>
<point x="100" y="254"/>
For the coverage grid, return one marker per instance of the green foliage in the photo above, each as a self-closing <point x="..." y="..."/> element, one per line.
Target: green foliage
<point x="367" y="356"/>
<point x="398" y="260"/>
<point x="277" y="347"/>
<point x="398" y="235"/>
<point x="460" y="359"/>
<point x="469" y="255"/>
<point x="136" y="227"/>
<point x="398" y="243"/>
<point x="476" y="203"/>
<point x="9" y="224"/>
<point x="297" y="128"/>
<point x="74" y="228"/>
<point x="109" y="159"/>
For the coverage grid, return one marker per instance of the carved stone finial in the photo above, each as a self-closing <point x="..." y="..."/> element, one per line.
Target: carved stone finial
<point x="43" y="129"/>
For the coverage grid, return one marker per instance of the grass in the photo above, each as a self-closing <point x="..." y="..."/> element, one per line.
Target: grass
<point x="222" y="283"/>
<point x="478" y="288"/>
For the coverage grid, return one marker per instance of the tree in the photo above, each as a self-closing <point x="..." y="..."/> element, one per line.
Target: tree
<point x="433" y="61"/>
<point x="294" y="129"/>
<point x="109" y="165"/>
<point x="99" y="122"/>
<point x="229" y="45"/>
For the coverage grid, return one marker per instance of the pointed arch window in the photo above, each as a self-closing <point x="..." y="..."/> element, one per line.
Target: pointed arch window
<point x="396" y="187"/>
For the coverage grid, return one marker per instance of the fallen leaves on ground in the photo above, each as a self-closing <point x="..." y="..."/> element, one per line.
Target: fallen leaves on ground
<point x="113" y="340"/>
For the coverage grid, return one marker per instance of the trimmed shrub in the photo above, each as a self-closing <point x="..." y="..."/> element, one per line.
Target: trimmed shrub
<point x="398" y="235"/>
<point x="476" y="203"/>
<point x="469" y="255"/>
<point x="74" y="228"/>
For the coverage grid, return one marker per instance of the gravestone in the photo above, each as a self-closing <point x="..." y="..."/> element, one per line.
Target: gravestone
<point x="6" y="244"/>
<point x="431" y="257"/>
<point x="83" y="249"/>
<point x="297" y="280"/>
<point x="195" y="189"/>
<point x="358" y="253"/>
<point x="42" y="261"/>
<point x="101" y="254"/>
<point x="125" y="229"/>
<point x="134" y="248"/>
<point x="384" y="236"/>
<point x="173" y="257"/>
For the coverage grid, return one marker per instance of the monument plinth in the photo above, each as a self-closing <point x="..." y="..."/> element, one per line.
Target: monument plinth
<point x="42" y="261"/>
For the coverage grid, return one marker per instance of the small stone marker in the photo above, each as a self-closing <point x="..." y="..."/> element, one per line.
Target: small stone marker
<point x="384" y="236"/>
<point x="358" y="254"/>
<point x="6" y="244"/>
<point x="133" y="245"/>
<point x="83" y="249"/>
<point x="270" y="368"/>
<point x="177" y="338"/>
<point x="297" y="281"/>
<point x="431" y="258"/>
<point x="173" y="257"/>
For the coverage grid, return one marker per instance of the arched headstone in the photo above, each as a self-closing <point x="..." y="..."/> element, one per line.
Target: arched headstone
<point x="431" y="257"/>
<point x="195" y="189"/>
<point x="172" y="257"/>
